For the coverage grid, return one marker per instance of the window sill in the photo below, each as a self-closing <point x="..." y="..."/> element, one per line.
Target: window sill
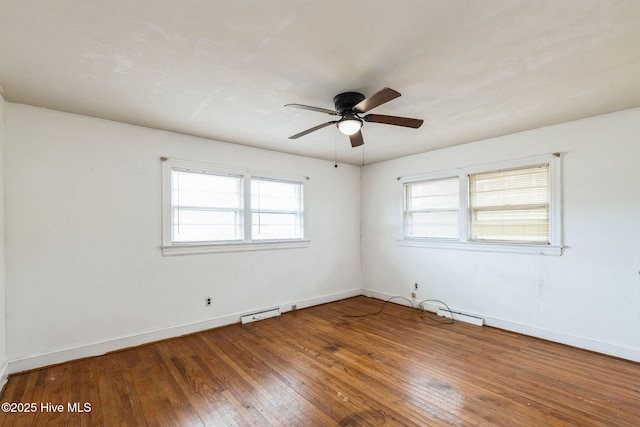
<point x="484" y="247"/>
<point x="174" y="250"/>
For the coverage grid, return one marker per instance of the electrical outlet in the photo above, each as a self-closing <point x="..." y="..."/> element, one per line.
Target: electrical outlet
<point x="207" y="302"/>
<point x="294" y="307"/>
<point x="413" y="295"/>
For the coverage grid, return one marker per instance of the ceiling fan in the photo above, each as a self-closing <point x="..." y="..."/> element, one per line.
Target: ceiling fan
<point x="349" y="106"/>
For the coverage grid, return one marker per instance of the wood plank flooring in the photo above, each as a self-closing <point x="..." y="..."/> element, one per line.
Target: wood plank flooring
<point x="315" y="367"/>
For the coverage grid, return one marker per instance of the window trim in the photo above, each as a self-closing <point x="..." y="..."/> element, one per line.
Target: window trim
<point x="170" y="248"/>
<point x="554" y="247"/>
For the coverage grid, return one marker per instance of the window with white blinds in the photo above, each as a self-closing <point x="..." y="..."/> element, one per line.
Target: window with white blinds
<point x="205" y="207"/>
<point x="432" y="209"/>
<point x="276" y="209"/>
<point x="215" y="208"/>
<point x="510" y="206"/>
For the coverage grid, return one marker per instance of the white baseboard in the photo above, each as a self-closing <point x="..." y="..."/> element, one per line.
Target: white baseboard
<point x="462" y="317"/>
<point x="396" y="299"/>
<point x="4" y="375"/>
<point x="627" y="353"/>
<point x="98" y="348"/>
<point x="622" y="352"/>
<point x="310" y="302"/>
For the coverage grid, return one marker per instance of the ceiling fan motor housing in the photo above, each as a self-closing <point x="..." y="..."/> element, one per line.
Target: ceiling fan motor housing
<point x="344" y="102"/>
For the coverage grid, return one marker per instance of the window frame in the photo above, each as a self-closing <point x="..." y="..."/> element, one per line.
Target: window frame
<point x="406" y="211"/>
<point x="170" y="247"/>
<point x="554" y="247"/>
<point x="298" y="213"/>
<point x="238" y="212"/>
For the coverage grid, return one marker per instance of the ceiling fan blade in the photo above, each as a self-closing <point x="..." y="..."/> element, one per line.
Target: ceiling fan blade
<point x="313" y="129"/>
<point x="378" y="98"/>
<point x="393" y="120"/>
<point x="356" y="139"/>
<point x="309" y="107"/>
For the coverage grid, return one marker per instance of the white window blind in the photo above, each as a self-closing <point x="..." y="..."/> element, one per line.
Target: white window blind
<point x="212" y="208"/>
<point x="206" y="207"/>
<point x="276" y="209"/>
<point x="510" y="205"/>
<point x="432" y="209"/>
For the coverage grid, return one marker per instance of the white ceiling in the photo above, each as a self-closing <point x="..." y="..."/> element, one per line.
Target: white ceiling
<point x="224" y="69"/>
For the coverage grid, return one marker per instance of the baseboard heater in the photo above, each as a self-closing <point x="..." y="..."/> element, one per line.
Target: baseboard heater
<point x="462" y="317"/>
<point x="260" y="315"/>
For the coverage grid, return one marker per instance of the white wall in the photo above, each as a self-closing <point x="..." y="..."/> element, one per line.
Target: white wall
<point x="3" y="305"/>
<point x="85" y="272"/>
<point x="588" y="297"/>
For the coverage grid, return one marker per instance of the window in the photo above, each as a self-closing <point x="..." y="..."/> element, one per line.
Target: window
<point x="507" y="207"/>
<point x="205" y="207"/>
<point x="510" y="206"/>
<point x="431" y="209"/>
<point x="276" y="209"/>
<point x="209" y="208"/>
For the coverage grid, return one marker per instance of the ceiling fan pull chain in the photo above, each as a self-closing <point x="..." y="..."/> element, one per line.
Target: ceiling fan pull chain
<point x="335" y="152"/>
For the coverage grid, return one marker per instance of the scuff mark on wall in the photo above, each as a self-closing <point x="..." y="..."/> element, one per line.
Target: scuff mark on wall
<point x="541" y="283"/>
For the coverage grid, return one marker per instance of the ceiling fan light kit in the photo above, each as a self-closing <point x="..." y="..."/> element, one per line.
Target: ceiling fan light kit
<point x="349" y="105"/>
<point x="349" y="125"/>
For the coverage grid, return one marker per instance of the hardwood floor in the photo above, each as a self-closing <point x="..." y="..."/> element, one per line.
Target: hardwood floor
<point x="315" y="367"/>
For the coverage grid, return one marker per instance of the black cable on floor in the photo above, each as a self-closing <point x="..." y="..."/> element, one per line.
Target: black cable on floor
<point x="449" y="321"/>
